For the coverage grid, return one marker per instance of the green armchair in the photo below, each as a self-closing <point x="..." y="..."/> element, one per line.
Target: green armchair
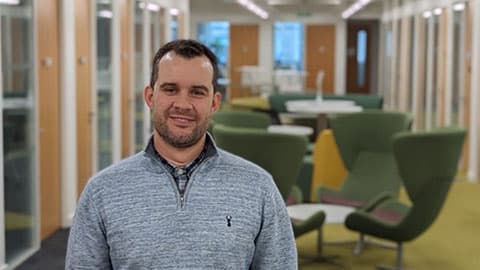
<point x="427" y="163"/>
<point x="279" y="154"/>
<point x="246" y="119"/>
<point x="364" y="142"/>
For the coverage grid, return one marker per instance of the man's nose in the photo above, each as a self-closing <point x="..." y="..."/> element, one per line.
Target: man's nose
<point x="183" y="100"/>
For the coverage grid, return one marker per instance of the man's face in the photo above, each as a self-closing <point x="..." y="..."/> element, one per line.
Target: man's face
<point x="183" y="99"/>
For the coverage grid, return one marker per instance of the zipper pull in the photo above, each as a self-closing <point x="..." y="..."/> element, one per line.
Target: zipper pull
<point x="181" y="200"/>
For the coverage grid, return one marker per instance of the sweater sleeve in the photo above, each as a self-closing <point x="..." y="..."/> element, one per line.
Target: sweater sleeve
<point x="87" y="244"/>
<point x="275" y="246"/>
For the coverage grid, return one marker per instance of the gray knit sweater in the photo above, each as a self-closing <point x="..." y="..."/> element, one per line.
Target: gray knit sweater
<point x="129" y="216"/>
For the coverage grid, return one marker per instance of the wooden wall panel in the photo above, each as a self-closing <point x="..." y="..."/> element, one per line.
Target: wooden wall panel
<point x="126" y="79"/>
<point x="420" y="44"/>
<point x="404" y="65"/>
<point x="243" y="51"/>
<point x="46" y="19"/>
<point x="320" y="55"/>
<point x="83" y="35"/>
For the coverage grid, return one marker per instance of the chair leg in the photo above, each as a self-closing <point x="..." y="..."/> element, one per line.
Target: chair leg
<point x="399" y="255"/>
<point x="399" y="262"/>
<point x="360" y="244"/>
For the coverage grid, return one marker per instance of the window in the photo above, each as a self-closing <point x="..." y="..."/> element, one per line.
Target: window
<point x="288" y="43"/>
<point x="215" y="35"/>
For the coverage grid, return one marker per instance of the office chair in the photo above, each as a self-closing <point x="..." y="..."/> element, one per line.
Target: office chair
<point x="364" y="142"/>
<point x="427" y="163"/>
<point x="279" y="154"/>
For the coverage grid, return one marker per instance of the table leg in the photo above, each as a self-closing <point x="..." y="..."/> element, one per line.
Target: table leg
<point x="321" y="123"/>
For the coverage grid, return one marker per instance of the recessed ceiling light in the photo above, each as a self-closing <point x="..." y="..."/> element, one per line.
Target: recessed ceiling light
<point x="427" y="14"/>
<point x="459" y="6"/>
<point x="10" y="2"/>
<point x="150" y="6"/>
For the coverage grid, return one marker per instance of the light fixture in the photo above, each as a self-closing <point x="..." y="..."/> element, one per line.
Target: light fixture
<point x="10" y="2"/>
<point x="459" y="6"/>
<point x="427" y="14"/>
<point x="253" y="8"/>
<point x="105" y="13"/>
<point x="355" y="7"/>
<point x="174" y="11"/>
<point x="437" y="11"/>
<point x="150" y="6"/>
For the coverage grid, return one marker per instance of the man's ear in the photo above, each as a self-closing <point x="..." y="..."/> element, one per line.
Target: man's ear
<point x="217" y="101"/>
<point x="148" y="96"/>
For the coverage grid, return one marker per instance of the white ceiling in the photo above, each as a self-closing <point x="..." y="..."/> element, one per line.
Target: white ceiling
<point x="284" y="8"/>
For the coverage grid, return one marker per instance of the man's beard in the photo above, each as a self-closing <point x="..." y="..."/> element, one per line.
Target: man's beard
<point x="184" y="140"/>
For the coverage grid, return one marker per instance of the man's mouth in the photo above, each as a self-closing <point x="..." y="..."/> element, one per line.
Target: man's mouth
<point x="182" y="120"/>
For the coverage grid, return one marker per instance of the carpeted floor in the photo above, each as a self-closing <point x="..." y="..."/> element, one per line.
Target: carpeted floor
<point x="451" y="243"/>
<point x="51" y="256"/>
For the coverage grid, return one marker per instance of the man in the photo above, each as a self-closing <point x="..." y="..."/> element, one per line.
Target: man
<point x="182" y="203"/>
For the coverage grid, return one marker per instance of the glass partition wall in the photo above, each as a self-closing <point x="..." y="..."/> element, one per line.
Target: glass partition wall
<point x="104" y="82"/>
<point x="149" y="25"/>
<point x="139" y="75"/>
<point x="19" y="131"/>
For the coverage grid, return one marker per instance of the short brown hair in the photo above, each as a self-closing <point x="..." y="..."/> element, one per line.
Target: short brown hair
<point x="187" y="48"/>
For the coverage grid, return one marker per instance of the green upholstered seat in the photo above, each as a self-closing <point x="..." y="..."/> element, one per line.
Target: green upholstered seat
<point x="364" y="142"/>
<point x="277" y="106"/>
<point x="247" y="119"/>
<point x="427" y="163"/>
<point x="279" y="154"/>
<point x="250" y="103"/>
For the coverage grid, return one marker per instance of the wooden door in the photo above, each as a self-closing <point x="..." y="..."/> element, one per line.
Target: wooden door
<point x="46" y="19"/>
<point x="243" y="52"/>
<point x="320" y="55"/>
<point x="358" y="57"/>
<point x="83" y="50"/>
<point x="126" y="80"/>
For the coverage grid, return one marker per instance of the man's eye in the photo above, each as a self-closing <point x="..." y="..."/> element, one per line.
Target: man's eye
<point x="198" y="92"/>
<point x="169" y="90"/>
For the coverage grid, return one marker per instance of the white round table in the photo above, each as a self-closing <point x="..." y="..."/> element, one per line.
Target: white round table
<point x="319" y="109"/>
<point x="323" y="107"/>
<point x="291" y="129"/>
<point x="334" y="214"/>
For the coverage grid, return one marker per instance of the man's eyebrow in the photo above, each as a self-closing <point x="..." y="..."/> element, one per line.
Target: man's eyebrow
<point x="195" y="86"/>
<point x="165" y="84"/>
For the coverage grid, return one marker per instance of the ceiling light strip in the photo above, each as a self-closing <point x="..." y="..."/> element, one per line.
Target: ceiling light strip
<point x="355" y="7"/>
<point x="10" y="2"/>
<point x="254" y="8"/>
